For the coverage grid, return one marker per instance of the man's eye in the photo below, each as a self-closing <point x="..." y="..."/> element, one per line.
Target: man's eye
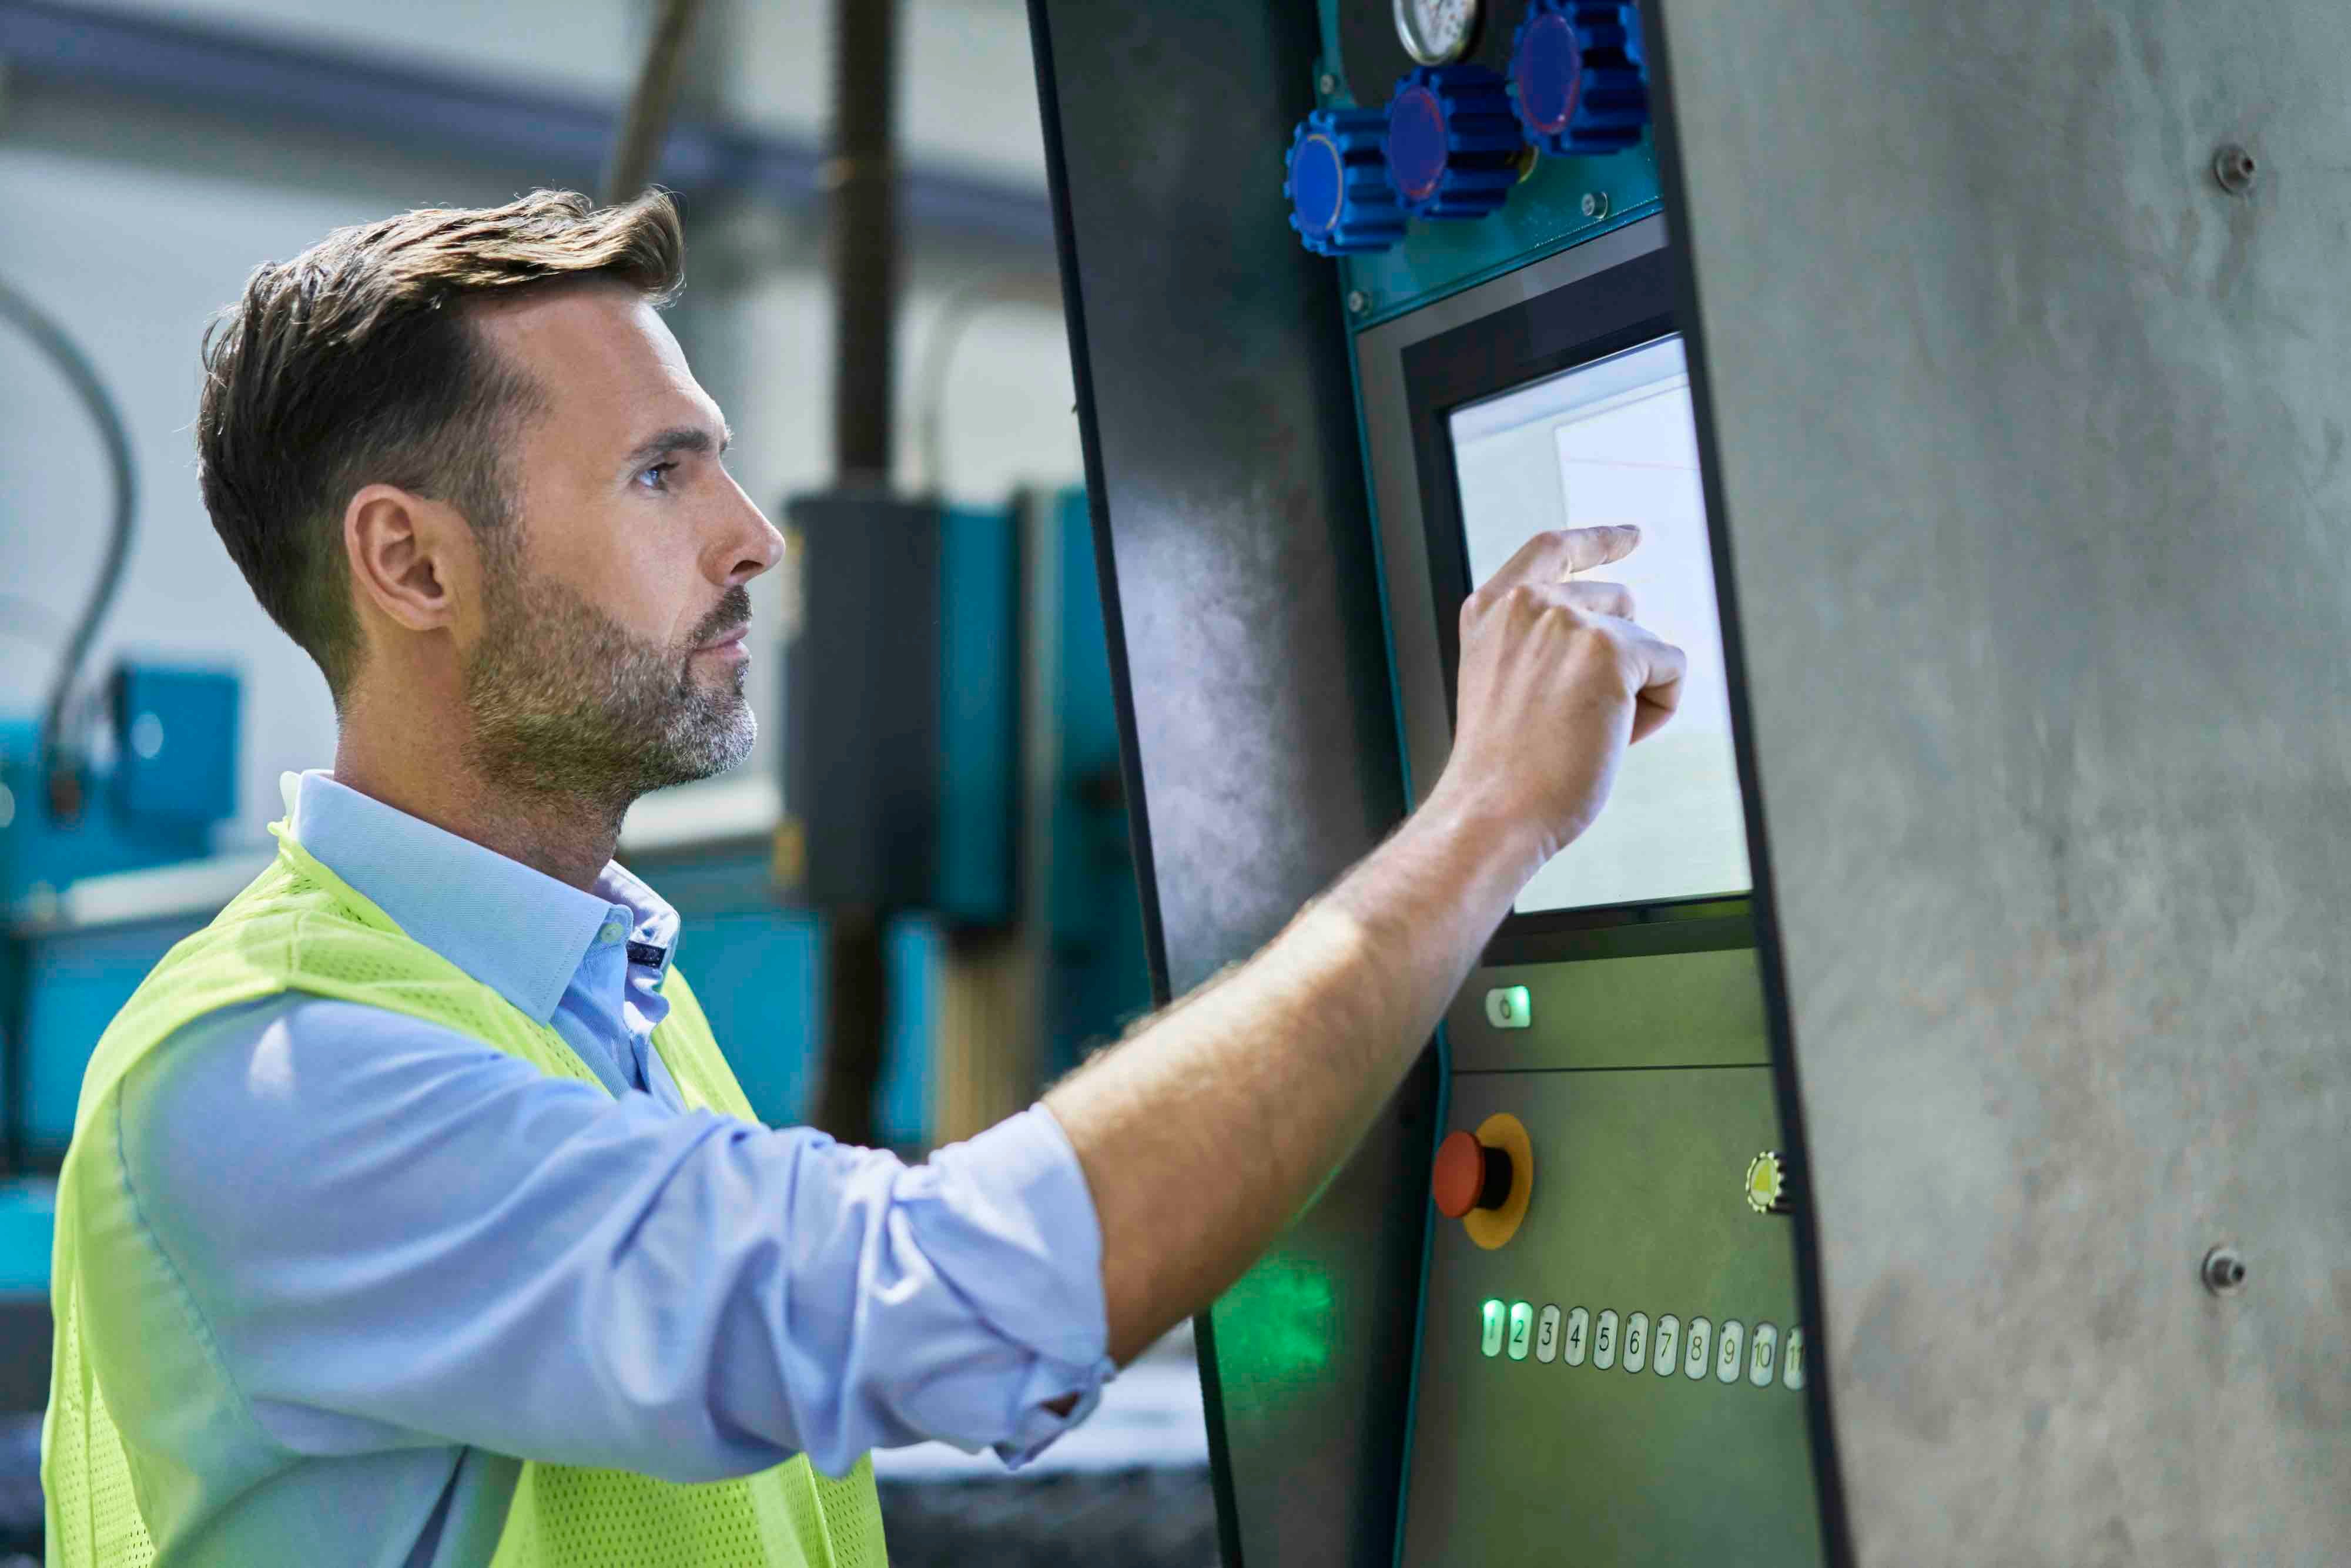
<point x="655" y="477"/>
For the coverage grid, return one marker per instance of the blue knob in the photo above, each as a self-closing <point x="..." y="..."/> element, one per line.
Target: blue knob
<point x="1341" y="202"/>
<point x="1579" y="75"/>
<point x="1453" y="144"/>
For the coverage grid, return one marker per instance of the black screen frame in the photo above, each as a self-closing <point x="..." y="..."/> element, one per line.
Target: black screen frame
<point x="1577" y="324"/>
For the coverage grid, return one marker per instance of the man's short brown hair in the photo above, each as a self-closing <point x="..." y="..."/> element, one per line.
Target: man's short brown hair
<point x="353" y="364"/>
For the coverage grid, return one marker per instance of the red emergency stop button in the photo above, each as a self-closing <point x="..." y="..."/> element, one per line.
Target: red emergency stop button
<point x="1469" y="1176"/>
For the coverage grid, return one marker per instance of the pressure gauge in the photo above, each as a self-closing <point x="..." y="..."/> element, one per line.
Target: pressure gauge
<point x="1436" y="31"/>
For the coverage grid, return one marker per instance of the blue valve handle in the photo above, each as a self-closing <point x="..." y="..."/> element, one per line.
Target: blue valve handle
<point x="1454" y="144"/>
<point x="1340" y="201"/>
<point x="1579" y="75"/>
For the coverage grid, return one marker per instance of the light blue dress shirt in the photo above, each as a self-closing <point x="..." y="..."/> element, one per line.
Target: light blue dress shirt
<point x="418" y="1260"/>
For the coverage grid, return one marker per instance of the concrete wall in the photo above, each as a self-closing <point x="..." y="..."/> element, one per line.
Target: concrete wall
<point x="133" y="223"/>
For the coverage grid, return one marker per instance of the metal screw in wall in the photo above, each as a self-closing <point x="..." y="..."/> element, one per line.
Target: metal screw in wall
<point x="1596" y="205"/>
<point x="1326" y="84"/>
<point x="2224" y="1272"/>
<point x="1358" y="302"/>
<point x="2234" y="168"/>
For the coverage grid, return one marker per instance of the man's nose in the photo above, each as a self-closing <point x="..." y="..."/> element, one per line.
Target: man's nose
<point x="751" y="546"/>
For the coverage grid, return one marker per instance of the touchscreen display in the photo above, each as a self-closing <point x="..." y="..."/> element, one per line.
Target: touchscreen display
<point x="1615" y="441"/>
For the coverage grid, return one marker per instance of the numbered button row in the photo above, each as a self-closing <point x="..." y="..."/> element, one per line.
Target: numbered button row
<point x="1728" y="1351"/>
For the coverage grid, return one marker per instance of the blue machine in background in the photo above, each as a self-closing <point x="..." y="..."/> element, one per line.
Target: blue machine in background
<point x="151" y="798"/>
<point x="170" y="778"/>
<point x="148" y="794"/>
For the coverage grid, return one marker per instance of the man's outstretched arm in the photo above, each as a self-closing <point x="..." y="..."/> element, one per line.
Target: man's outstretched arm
<point x="1209" y="1129"/>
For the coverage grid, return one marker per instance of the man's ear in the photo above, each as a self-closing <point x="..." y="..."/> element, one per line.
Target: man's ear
<point x="412" y="558"/>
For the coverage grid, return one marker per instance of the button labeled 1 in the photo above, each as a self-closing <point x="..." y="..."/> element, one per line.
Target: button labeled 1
<point x="1489" y="1328"/>
<point x="1509" y="1006"/>
<point x="1523" y="1328"/>
<point x="1547" y="1336"/>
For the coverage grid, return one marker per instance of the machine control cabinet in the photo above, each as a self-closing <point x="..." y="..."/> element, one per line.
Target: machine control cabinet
<point x="1955" y="1177"/>
<point x="1612" y="1338"/>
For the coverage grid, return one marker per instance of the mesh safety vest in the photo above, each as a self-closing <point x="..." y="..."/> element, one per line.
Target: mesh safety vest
<point x="299" y="927"/>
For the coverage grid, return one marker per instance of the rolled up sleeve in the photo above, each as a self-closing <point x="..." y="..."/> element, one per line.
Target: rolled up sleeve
<point x="396" y="1234"/>
<point x="969" y="1300"/>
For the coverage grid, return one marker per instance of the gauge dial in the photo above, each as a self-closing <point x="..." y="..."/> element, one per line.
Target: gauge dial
<point x="1436" y="31"/>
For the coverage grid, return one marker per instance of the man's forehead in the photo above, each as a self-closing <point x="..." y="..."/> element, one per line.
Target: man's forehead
<point x="574" y="316"/>
<point x="597" y="351"/>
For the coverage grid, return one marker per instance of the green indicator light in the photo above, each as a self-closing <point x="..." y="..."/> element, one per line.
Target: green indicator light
<point x="1490" y="1338"/>
<point x="1509" y="1007"/>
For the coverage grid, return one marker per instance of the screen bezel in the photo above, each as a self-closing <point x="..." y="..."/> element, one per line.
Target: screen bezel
<point x="1578" y="323"/>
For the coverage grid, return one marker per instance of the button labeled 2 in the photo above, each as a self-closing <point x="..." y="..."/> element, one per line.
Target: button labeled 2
<point x="1547" y="1336"/>
<point x="1523" y="1328"/>
<point x="1578" y="1337"/>
<point x="1603" y="1340"/>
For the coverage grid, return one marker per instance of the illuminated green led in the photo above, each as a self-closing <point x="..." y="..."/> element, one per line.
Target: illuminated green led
<point x="1509" y="1007"/>
<point x="1490" y="1339"/>
<point x="1522" y="1323"/>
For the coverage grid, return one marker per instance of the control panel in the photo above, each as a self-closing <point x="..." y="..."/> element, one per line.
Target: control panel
<point x="1612" y="1346"/>
<point x="1611" y="1366"/>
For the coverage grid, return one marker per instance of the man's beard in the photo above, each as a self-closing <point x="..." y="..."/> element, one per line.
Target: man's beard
<point x="565" y="701"/>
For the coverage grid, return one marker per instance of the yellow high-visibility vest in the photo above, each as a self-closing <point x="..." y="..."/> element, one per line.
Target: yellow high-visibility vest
<point x="298" y="928"/>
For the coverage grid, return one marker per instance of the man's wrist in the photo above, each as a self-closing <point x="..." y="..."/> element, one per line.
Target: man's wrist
<point x="1464" y="850"/>
<point x="1484" y="826"/>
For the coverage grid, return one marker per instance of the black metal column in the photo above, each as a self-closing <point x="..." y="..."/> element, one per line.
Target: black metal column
<point x="1240" y="587"/>
<point x="861" y="177"/>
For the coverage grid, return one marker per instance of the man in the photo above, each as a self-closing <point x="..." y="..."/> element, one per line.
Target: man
<point x="412" y="1215"/>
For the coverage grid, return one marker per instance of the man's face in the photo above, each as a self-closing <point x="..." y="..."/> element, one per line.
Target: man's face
<point x="610" y="655"/>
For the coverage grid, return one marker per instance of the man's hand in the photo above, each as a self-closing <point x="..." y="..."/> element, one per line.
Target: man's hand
<point x="1556" y="681"/>
<point x="1205" y="1132"/>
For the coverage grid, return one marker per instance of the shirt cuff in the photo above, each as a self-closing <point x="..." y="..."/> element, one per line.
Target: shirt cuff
<point x="1029" y="1168"/>
<point x="1036" y="1428"/>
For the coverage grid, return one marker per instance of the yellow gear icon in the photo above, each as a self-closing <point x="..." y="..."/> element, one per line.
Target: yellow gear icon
<point x="1770" y="1188"/>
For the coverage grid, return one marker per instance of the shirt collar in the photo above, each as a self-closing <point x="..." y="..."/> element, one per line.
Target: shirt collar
<point x="517" y="930"/>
